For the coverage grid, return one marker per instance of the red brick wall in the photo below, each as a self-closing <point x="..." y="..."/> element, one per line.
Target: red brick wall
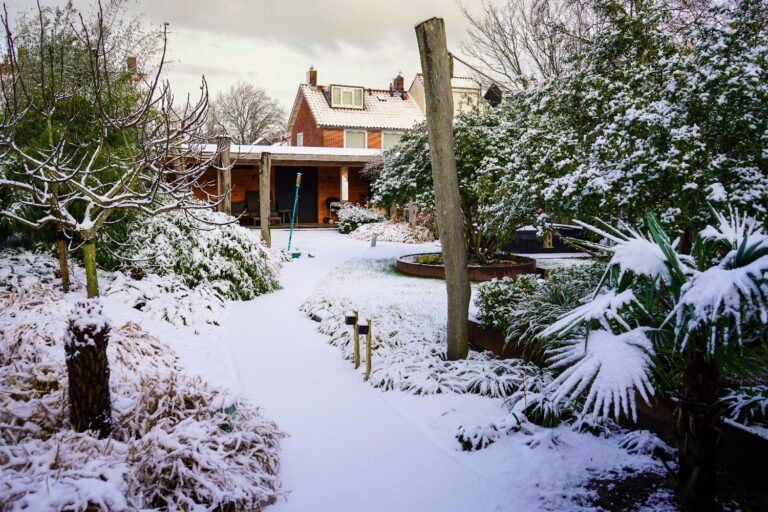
<point x="305" y="123"/>
<point x="333" y="138"/>
<point x="374" y="139"/>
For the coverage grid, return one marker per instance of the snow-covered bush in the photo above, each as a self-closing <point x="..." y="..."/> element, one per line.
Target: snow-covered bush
<point x="522" y="308"/>
<point x="747" y="405"/>
<point x="168" y="298"/>
<point x="407" y="357"/>
<point x="20" y="270"/>
<point x="177" y="443"/>
<point x="401" y="232"/>
<point x="213" y="250"/>
<point x="644" y="122"/>
<point x="352" y="216"/>
<point x="659" y="309"/>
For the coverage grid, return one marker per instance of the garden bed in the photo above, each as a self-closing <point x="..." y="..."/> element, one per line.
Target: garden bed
<point x="430" y="265"/>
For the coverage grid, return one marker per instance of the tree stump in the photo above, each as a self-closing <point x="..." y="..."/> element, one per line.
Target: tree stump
<point x="85" y="344"/>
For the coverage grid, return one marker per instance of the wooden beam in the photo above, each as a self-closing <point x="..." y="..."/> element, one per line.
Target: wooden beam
<point x="224" y="176"/>
<point x="265" y="206"/>
<point x="436" y="65"/>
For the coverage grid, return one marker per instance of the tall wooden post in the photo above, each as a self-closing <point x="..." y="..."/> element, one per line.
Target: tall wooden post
<point x="436" y="66"/>
<point x="265" y="203"/>
<point x="224" y="175"/>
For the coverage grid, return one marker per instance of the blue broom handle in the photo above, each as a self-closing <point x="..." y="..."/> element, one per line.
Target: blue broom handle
<point x="293" y="214"/>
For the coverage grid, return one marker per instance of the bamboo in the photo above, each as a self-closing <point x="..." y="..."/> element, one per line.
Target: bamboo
<point x="357" y="343"/>
<point x="368" y="337"/>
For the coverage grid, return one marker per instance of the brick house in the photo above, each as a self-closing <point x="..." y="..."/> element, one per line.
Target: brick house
<point x="333" y="132"/>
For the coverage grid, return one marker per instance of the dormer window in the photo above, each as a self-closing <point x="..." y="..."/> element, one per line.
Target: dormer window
<point x="346" y="97"/>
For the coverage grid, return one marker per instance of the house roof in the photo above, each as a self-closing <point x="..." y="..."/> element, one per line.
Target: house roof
<point x="457" y="82"/>
<point x="382" y="110"/>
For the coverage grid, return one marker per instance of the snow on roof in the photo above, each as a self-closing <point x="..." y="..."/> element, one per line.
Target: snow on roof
<point x="457" y="82"/>
<point x="240" y="150"/>
<point x="382" y="110"/>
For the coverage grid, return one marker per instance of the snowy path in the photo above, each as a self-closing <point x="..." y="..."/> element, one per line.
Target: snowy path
<point x="352" y="447"/>
<point x="348" y="449"/>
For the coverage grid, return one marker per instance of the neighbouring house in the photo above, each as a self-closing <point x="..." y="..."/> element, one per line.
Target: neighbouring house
<point x="333" y="132"/>
<point x="466" y="93"/>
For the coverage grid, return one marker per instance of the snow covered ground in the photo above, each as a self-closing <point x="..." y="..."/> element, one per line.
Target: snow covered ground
<point x="353" y="447"/>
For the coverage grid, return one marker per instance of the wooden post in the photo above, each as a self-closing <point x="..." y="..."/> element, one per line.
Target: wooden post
<point x="224" y="175"/>
<point x="368" y="337"/>
<point x="344" y="174"/>
<point x="436" y="66"/>
<point x="357" y="343"/>
<point x="265" y="203"/>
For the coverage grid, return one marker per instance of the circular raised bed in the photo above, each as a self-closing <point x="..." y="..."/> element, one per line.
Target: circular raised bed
<point x="408" y="264"/>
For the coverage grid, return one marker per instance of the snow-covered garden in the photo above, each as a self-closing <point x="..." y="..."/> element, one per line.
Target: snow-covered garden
<point x="157" y="355"/>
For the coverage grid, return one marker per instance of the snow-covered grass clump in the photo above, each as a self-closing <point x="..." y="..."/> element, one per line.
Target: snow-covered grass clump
<point x="166" y="298"/>
<point x="522" y="308"/>
<point x="208" y="249"/>
<point x="178" y="444"/>
<point x="352" y="216"/>
<point x="401" y="232"/>
<point x="408" y="321"/>
<point x="20" y="270"/>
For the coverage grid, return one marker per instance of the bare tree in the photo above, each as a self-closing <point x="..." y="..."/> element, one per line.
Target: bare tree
<point x="113" y="142"/>
<point x="246" y="112"/>
<point x="526" y="39"/>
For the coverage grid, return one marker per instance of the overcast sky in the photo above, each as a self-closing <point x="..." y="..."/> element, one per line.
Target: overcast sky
<point x="272" y="43"/>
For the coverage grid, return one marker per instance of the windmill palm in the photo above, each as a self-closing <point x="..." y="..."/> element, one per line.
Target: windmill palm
<point x="655" y="303"/>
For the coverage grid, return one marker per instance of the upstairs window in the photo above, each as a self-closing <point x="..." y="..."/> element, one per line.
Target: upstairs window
<point x="300" y="139"/>
<point x="355" y="139"/>
<point x="346" y="97"/>
<point x="390" y="139"/>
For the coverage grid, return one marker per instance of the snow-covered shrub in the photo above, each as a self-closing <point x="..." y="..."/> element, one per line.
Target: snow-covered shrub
<point x="407" y="357"/>
<point x="644" y="122"/>
<point x="662" y="314"/>
<point x="522" y="308"/>
<point x="747" y="405"/>
<point x="645" y="442"/>
<point x="352" y="216"/>
<point x="177" y="443"/>
<point x="213" y="250"/>
<point x="168" y="298"/>
<point x="20" y="270"/>
<point x="478" y="437"/>
<point x="401" y="232"/>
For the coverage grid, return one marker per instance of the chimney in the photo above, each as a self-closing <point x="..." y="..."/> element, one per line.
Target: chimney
<point x="398" y="84"/>
<point x="312" y="76"/>
<point x="131" y="63"/>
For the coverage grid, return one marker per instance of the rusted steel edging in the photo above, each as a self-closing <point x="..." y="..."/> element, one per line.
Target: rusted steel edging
<point x="476" y="272"/>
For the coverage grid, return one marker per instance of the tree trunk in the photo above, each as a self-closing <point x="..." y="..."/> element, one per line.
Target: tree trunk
<point x="90" y="407"/>
<point x="61" y="248"/>
<point x="265" y="198"/>
<point x="436" y="65"/>
<point x="697" y="428"/>
<point x="89" y="261"/>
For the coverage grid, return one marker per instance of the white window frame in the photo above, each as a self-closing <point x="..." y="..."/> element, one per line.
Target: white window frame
<point x="365" y="137"/>
<point x="353" y="91"/>
<point x="391" y="132"/>
<point x="300" y="139"/>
